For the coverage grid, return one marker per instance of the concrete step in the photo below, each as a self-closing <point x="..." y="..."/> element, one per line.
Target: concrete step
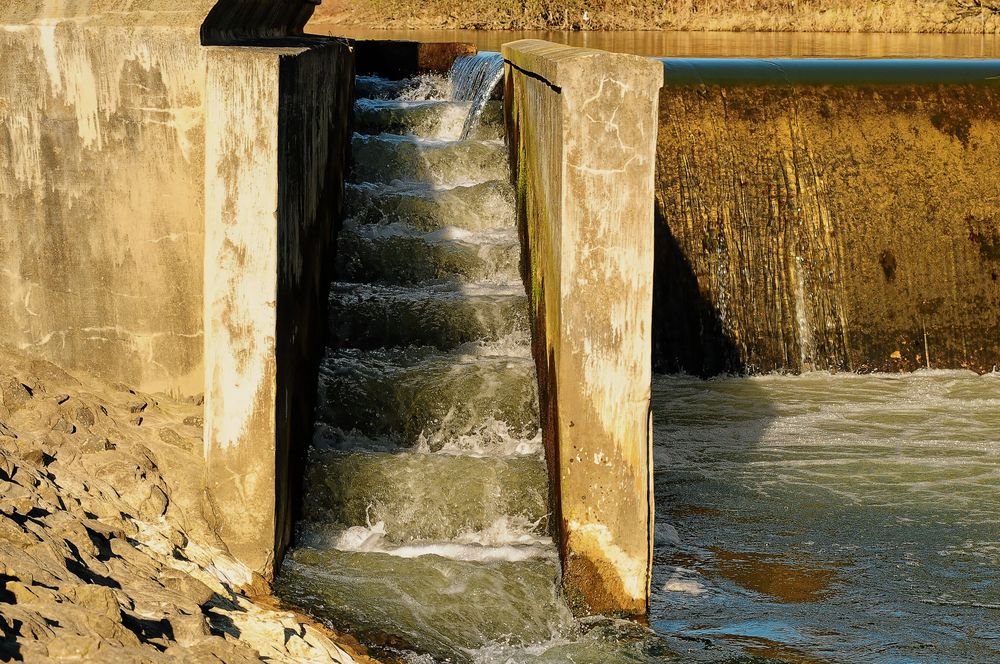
<point x="401" y="254"/>
<point x="430" y="118"/>
<point x="444" y="315"/>
<point x="477" y="206"/>
<point x="477" y="399"/>
<point x="388" y="158"/>
<point x="425" y="497"/>
<point x="435" y="603"/>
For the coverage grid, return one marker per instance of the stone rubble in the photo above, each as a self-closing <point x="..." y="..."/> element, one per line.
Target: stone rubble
<point x="107" y="552"/>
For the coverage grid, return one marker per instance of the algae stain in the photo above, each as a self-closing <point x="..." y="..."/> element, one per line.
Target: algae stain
<point x="784" y="580"/>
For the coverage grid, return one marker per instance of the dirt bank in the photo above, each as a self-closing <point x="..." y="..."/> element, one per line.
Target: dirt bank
<point x="960" y="16"/>
<point x="107" y="551"/>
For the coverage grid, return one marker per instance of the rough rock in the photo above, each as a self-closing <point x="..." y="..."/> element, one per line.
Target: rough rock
<point x="106" y="552"/>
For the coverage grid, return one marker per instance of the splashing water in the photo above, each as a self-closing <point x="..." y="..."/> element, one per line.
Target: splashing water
<point x="475" y="78"/>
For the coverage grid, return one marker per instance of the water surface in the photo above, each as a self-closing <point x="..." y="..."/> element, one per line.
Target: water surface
<point x="714" y="44"/>
<point x="835" y="518"/>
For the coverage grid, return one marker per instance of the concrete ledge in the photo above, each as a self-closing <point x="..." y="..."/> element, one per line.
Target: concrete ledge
<point x="581" y="130"/>
<point x="403" y="59"/>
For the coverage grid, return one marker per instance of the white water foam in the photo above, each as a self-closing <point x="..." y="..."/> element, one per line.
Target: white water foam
<point x="491" y="439"/>
<point x="434" y="119"/>
<point x="448" y="234"/>
<point x="510" y="539"/>
<point x="428" y="86"/>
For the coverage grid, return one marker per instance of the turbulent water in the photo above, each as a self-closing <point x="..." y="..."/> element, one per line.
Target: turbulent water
<point x="832" y="518"/>
<point x="812" y="518"/>
<point x="425" y="526"/>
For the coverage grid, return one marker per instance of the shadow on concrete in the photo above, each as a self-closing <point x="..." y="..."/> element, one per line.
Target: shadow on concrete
<point x="688" y="333"/>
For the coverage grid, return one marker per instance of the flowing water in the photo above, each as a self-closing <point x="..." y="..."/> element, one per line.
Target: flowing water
<point x="833" y="518"/>
<point x="425" y="525"/>
<point x="818" y="518"/>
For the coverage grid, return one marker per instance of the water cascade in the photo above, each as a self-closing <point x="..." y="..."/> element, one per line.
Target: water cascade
<point x="425" y="524"/>
<point x="475" y="78"/>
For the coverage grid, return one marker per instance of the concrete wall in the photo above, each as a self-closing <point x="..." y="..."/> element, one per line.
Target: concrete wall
<point x="102" y="116"/>
<point x="276" y="143"/>
<point x="582" y="130"/>
<point x="101" y="189"/>
<point x="163" y="205"/>
<point x="824" y="215"/>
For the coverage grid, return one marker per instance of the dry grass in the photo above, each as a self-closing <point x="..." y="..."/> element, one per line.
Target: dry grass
<point x="965" y="16"/>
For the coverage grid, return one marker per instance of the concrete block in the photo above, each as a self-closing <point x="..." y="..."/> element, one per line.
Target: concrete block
<point x="582" y="129"/>
<point x="276" y="140"/>
<point x="101" y="189"/>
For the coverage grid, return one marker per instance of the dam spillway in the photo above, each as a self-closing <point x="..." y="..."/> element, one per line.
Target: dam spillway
<point x="827" y="215"/>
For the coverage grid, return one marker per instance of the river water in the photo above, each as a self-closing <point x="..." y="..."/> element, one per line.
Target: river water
<point x="815" y="518"/>
<point x="836" y="518"/>
<point x="716" y="44"/>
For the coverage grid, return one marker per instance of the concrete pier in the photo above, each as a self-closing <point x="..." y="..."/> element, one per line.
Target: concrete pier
<point x="581" y="130"/>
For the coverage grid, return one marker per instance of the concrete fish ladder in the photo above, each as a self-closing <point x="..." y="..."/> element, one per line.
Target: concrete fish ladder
<point x="582" y="128"/>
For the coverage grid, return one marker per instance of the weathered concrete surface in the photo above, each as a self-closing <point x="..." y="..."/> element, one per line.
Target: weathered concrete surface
<point x="101" y="155"/>
<point x="107" y="551"/>
<point x="582" y="130"/>
<point x="104" y="218"/>
<point x="215" y="20"/>
<point x="833" y="225"/>
<point x="275" y="144"/>
<point x="101" y="180"/>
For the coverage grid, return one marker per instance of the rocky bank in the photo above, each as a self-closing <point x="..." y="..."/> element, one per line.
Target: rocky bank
<point x="107" y="549"/>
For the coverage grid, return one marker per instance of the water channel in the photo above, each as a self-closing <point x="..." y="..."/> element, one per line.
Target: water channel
<point x="813" y="518"/>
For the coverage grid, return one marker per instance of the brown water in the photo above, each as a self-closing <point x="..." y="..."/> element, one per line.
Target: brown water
<point x="715" y="44"/>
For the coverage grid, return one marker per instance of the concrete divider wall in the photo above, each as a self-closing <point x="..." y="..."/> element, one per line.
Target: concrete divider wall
<point x="582" y="130"/>
<point x="163" y="205"/>
<point x="277" y="141"/>
<point x="822" y="215"/>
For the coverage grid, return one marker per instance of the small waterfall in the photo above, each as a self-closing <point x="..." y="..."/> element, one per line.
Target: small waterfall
<point x="474" y="78"/>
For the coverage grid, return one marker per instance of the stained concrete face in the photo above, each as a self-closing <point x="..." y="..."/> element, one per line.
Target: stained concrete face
<point x="276" y="138"/>
<point x="582" y="130"/>
<point x="828" y="226"/>
<point x="102" y="180"/>
<point x="101" y="189"/>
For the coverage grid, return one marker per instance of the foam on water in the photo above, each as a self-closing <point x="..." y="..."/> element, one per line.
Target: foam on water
<point x="803" y="498"/>
<point x="434" y="119"/>
<point x="427" y="207"/>
<point x="402" y="254"/>
<point x="511" y="539"/>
